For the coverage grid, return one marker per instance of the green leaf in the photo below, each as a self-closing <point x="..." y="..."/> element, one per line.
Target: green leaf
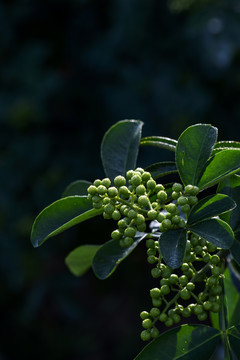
<point x="210" y="206"/>
<point x="162" y="169"/>
<point x="215" y="231"/>
<point x="110" y="255"/>
<point x="234" y="339"/>
<point x="119" y="148"/>
<point x="235" y="249"/>
<point x="193" y="149"/>
<point x="160" y="142"/>
<point x="223" y="145"/>
<point x="232" y="298"/>
<point x="60" y="216"/>
<point x="186" y="342"/>
<point x="78" y="187"/>
<point x="218" y="167"/>
<point x="231" y="187"/>
<point x="172" y="244"/>
<point x="80" y="259"/>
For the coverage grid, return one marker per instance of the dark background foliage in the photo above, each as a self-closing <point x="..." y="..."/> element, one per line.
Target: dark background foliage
<point x="68" y="71"/>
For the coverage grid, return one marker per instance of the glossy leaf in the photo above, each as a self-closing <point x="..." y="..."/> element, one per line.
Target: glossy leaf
<point x="172" y="244"/>
<point x="231" y="187"/>
<point x="223" y="145"/>
<point x="218" y="167"/>
<point x="162" y="169"/>
<point x="186" y="342"/>
<point x="215" y="231"/>
<point x="119" y="148"/>
<point x="232" y="297"/>
<point x="78" y="187"/>
<point x="210" y="206"/>
<point x="80" y="259"/>
<point x="234" y="339"/>
<point x="193" y="149"/>
<point x="60" y="216"/>
<point x="160" y="142"/>
<point x="110" y="255"/>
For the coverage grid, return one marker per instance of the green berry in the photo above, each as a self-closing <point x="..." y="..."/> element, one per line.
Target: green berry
<point x="184" y="267"/>
<point x="192" y="200"/>
<point x="145" y="335"/>
<point x="190" y="286"/>
<point x="112" y="192"/>
<point x="150" y="244"/>
<point x="116" y="235"/>
<point x="106" y="200"/>
<point x="152" y="214"/>
<point x="211" y="247"/>
<point x="151" y="184"/>
<point x="181" y="223"/>
<point x="202" y="316"/>
<point x="140" y="219"/>
<point x="155" y="293"/>
<point x="151" y="259"/>
<point x="154" y="312"/>
<point x="160" y="217"/>
<point x="182" y="200"/>
<point x="155" y="272"/>
<point x="146" y="176"/>
<point x="106" y="215"/>
<point x="141" y="227"/>
<point x="154" y="333"/>
<point x="106" y="182"/>
<point x="143" y="201"/>
<point x="124" y="192"/>
<point x="177" y="187"/>
<point x="215" y="259"/>
<point x="162" y="196"/>
<point x="198" y="309"/>
<point x="97" y="182"/>
<point x="216" y="270"/>
<point x="207" y="258"/>
<point x="188" y="189"/>
<point x="169" y="322"/>
<point x="159" y="187"/>
<point x="215" y="307"/>
<point x="176" y="195"/>
<point x="173" y="279"/>
<point x="116" y="215"/>
<point x="183" y="280"/>
<point x="185" y="294"/>
<point x="167" y="224"/>
<point x="96" y="198"/>
<point x="92" y="190"/>
<point x="136" y="180"/>
<point x="176" y="318"/>
<point x="163" y="317"/>
<point x="97" y="205"/>
<point x="140" y="190"/>
<point x="120" y="181"/>
<point x="101" y="189"/>
<point x="186" y="312"/>
<point x="130" y="174"/>
<point x="140" y="170"/>
<point x="185" y="208"/>
<point x="176" y="219"/>
<point x="216" y="290"/>
<point x="147" y="323"/>
<point x="166" y="272"/>
<point x="171" y="208"/>
<point x="128" y="241"/>
<point x="130" y="231"/>
<point x="165" y="289"/>
<point x="207" y="305"/>
<point x="132" y="214"/>
<point x="109" y="209"/>
<point x="144" y="315"/>
<point x="156" y="302"/>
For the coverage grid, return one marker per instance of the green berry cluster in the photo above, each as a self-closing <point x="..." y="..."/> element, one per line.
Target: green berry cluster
<point x="179" y="294"/>
<point x="140" y="201"/>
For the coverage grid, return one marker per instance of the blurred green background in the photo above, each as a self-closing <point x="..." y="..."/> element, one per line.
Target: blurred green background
<point x="68" y="71"/>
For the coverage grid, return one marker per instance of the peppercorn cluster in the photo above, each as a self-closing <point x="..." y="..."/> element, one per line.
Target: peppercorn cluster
<point x="136" y="199"/>
<point x="185" y="292"/>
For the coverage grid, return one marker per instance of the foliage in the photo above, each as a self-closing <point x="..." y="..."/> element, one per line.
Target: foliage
<point x="188" y="239"/>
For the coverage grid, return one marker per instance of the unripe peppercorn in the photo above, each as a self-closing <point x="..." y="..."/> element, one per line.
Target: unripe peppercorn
<point x="198" y="309"/>
<point x="188" y="189"/>
<point x="202" y="316"/>
<point x="101" y="189"/>
<point x="130" y="231"/>
<point x="216" y="270"/>
<point x="171" y="208"/>
<point x="106" y="182"/>
<point x="151" y="259"/>
<point x="177" y="187"/>
<point x="130" y="174"/>
<point x="92" y="190"/>
<point x="97" y="182"/>
<point x="207" y="305"/>
<point x="183" y="280"/>
<point x="165" y="289"/>
<point x="176" y="318"/>
<point x="144" y="315"/>
<point x="136" y="180"/>
<point x="112" y="192"/>
<point x="132" y="214"/>
<point x="159" y="187"/>
<point x="143" y="201"/>
<point x="160" y="217"/>
<point x="128" y="241"/>
<point x="215" y="307"/>
<point x="166" y="272"/>
<point x="176" y="219"/>
<point x="185" y="294"/>
<point x="173" y="278"/>
<point x="120" y="181"/>
<point x="146" y="176"/>
<point x="155" y="293"/>
<point x="106" y="215"/>
<point x="169" y="322"/>
<point x="155" y="272"/>
<point x="192" y="200"/>
<point x="140" y="219"/>
<point x="190" y="286"/>
<point x="154" y="333"/>
<point x="116" y="235"/>
<point x="176" y="195"/>
<point x="186" y="312"/>
<point x="162" y="196"/>
<point x="116" y="215"/>
<point x="151" y="184"/>
<point x="142" y="227"/>
<point x="109" y="209"/>
<point x="182" y="200"/>
<point x="185" y="208"/>
<point x="166" y="224"/>
<point x="150" y="244"/>
<point x="215" y="259"/>
<point x="152" y="214"/>
<point x="156" y="302"/>
<point x="154" y="312"/>
<point x="123" y="190"/>
<point x="145" y="335"/>
<point x="97" y="205"/>
<point x="140" y="190"/>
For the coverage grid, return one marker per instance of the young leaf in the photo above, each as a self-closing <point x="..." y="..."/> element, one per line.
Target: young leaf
<point x="159" y="141"/>
<point x="78" y="187"/>
<point x="219" y="166"/>
<point x="172" y="244"/>
<point x="234" y="339"/>
<point x="232" y="298"/>
<point x="60" y="216"/>
<point x="231" y="187"/>
<point x="214" y="230"/>
<point x="162" y="169"/>
<point x="80" y="259"/>
<point x="193" y="149"/>
<point x="119" y="148"/>
<point x="110" y="255"/>
<point x="210" y="206"/>
<point x="186" y="342"/>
